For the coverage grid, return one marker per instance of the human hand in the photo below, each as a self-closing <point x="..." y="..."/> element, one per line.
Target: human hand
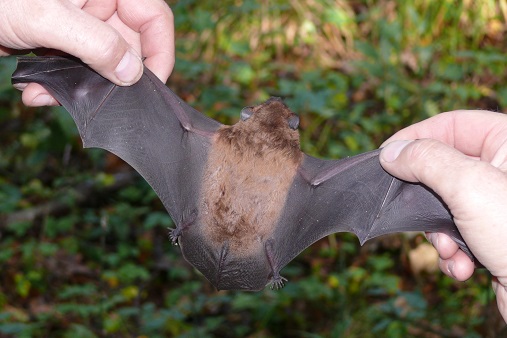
<point x="108" y="35"/>
<point x="462" y="156"/>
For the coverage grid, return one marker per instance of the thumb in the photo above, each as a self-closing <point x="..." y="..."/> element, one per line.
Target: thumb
<point x="93" y="41"/>
<point x="473" y="190"/>
<point x="439" y="166"/>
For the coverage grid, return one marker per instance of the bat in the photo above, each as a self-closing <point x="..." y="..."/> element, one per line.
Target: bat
<point x="244" y="198"/>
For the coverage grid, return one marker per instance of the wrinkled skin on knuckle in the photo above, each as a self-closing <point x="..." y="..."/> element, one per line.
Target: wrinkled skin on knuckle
<point x="106" y="56"/>
<point x="22" y="29"/>
<point x="418" y="156"/>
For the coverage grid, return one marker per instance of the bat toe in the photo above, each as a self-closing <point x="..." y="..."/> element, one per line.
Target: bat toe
<point x="174" y="235"/>
<point x="277" y="282"/>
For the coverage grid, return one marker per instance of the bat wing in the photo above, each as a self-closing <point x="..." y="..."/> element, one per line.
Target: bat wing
<point x="355" y="195"/>
<point x="146" y="125"/>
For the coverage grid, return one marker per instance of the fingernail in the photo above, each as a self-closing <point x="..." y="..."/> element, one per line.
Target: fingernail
<point x="429" y="236"/>
<point x="391" y="151"/>
<point x="42" y="100"/>
<point x="129" y="68"/>
<point x="450" y="268"/>
<point x="495" y="285"/>
<point x="434" y="240"/>
<point x="20" y="86"/>
<point x="500" y="283"/>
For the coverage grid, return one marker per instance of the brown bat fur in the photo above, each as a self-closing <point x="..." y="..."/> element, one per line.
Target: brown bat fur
<point x="249" y="171"/>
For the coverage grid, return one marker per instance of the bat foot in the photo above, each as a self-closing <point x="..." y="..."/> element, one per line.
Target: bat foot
<point x="277" y="282"/>
<point x="174" y="234"/>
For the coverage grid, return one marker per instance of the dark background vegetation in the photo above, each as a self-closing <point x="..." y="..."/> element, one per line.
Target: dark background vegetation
<point x="84" y="249"/>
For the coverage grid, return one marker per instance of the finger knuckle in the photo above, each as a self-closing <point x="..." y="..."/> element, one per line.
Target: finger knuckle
<point x="108" y="52"/>
<point x="424" y="149"/>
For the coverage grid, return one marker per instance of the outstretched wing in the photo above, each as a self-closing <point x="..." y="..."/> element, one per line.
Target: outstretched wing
<point x="355" y="195"/>
<point x="146" y="125"/>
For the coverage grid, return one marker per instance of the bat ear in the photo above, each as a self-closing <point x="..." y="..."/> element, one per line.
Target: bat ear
<point x="246" y="113"/>
<point x="294" y="122"/>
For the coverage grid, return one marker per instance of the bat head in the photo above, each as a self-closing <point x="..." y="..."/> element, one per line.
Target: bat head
<point x="268" y="129"/>
<point x="272" y="114"/>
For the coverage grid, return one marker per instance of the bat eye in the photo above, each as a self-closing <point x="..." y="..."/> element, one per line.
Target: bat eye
<point x="246" y="113"/>
<point x="294" y="122"/>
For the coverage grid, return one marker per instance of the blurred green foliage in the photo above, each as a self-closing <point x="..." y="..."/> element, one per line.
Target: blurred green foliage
<point x="84" y="250"/>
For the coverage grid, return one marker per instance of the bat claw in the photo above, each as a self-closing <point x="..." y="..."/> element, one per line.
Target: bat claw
<point x="174" y="234"/>
<point x="278" y="282"/>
